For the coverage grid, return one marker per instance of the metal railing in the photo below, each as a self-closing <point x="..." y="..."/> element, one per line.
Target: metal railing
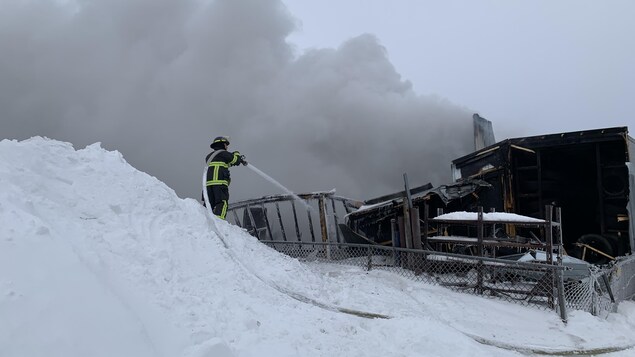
<point x="283" y="217"/>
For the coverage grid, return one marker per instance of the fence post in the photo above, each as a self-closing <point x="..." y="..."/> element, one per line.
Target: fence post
<point x="549" y="233"/>
<point x="407" y="206"/>
<point x="323" y="227"/>
<point x="402" y="241"/>
<point x="426" y="227"/>
<point x="416" y="228"/>
<point x="562" y="303"/>
<point x="549" y="253"/>
<point x="561" y="299"/>
<point x="479" y="232"/>
<point x="407" y="226"/>
<point x="395" y="242"/>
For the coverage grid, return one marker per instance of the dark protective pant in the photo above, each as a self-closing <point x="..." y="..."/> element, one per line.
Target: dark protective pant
<point x="218" y="196"/>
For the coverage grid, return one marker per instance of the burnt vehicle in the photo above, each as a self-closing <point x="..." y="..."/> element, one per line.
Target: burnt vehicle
<point x="586" y="173"/>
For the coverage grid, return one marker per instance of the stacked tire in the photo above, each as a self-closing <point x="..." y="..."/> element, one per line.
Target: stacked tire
<point x="607" y="244"/>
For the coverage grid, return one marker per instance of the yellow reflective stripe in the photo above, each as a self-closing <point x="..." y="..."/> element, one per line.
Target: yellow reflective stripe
<point x="218" y="164"/>
<point x="236" y="156"/>
<point x="223" y="212"/>
<point x="215" y="173"/>
<point x="217" y="182"/>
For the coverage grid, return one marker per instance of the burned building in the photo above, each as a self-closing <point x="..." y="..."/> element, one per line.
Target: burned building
<point x="586" y="173"/>
<point x="542" y="220"/>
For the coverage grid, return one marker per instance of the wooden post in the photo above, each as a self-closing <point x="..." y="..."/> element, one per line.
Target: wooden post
<point x="549" y="233"/>
<point x="402" y="238"/>
<point x="407" y="226"/>
<point x="416" y="228"/>
<point x="493" y="252"/>
<point x="393" y="233"/>
<point x="559" y="234"/>
<point x="426" y="226"/>
<point x="402" y="241"/>
<point x="407" y="206"/>
<point x="395" y="242"/>
<point x="549" y="254"/>
<point x="337" y="230"/>
<point x="323" y="226"/>
<point x="441" y="227"/>
<point x="479" y="232"/>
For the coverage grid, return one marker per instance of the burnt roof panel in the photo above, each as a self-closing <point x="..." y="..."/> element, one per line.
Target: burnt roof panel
<point x="557" y="139"/>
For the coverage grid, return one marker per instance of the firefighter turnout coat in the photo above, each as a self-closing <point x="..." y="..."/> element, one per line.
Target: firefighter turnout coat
<point x="218" y="167"/>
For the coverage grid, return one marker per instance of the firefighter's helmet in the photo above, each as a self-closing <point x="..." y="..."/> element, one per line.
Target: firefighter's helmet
<point x="220" y="142"/>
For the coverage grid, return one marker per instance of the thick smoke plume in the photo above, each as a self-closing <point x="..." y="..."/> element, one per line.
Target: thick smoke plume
<point x="158" y="79"/>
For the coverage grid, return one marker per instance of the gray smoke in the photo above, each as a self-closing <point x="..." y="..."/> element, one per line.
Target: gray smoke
<point x="158" y="79"/>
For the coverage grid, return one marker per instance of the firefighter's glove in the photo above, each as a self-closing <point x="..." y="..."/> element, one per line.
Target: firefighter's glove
<point x="243" y="159"/>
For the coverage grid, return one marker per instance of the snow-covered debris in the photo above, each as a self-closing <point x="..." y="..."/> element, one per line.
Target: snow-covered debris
<point x="100" y="259"/>
<point x="488" y="217"/>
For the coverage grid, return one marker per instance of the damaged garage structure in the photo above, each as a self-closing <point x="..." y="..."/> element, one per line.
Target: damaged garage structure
<point x="543" y="220"/>
<point x="584" y="173"/>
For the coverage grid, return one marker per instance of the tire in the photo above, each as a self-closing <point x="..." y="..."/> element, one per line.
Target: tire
<point x="614" y="184"/>
<point x="600" y="243"/>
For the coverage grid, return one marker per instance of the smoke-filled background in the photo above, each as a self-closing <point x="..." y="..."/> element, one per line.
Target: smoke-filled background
<point x="159" y="79"/>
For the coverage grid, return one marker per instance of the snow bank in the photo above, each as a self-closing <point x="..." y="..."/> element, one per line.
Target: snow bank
<point x="99" y="259"/>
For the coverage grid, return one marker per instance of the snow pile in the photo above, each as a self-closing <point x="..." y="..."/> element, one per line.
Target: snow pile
<point x="99" y="259"/>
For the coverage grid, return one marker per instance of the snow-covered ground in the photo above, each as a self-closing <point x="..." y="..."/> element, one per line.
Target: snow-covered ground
<point x="100" y="259"/>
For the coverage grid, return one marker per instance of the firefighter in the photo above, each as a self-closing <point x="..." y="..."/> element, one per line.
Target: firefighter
<point x="218" y="163"/>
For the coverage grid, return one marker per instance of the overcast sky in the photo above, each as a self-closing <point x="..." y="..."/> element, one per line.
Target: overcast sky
<point x="319" y="95"/>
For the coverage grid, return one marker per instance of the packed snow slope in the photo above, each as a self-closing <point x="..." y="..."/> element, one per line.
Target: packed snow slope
<point x="99" y="259"/>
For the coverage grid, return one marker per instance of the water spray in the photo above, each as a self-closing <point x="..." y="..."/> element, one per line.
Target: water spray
<point x="273" y="181"/>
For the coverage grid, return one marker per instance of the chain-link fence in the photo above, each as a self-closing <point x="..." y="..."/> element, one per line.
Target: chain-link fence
<point x="622" y="278"/>
<point x="598" y="290"/>
<point x="297" y="231"/>
<point x="590" y="294"/>
<point x="603" y="288"/>
<point x="525" y="283"/>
